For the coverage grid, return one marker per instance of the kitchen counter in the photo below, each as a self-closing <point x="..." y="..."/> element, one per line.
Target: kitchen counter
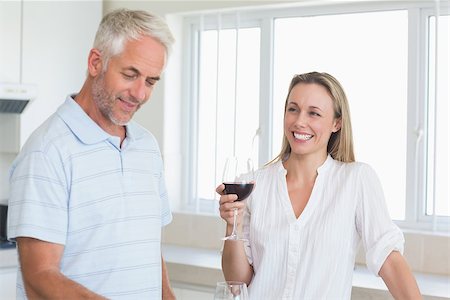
<point x="196" y="266"/>
<point x="8" y="258"/>
<point x="202" y="267"/>
<point x="8" y="273"/>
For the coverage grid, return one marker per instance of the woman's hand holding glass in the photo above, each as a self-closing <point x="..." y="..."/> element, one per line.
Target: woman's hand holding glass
<point x="238" y="183"/>
<point x="228" y="206"/>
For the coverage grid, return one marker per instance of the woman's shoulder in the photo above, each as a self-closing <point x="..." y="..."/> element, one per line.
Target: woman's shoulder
<point x="270" y="169"/>
<point x="356" y="168"/>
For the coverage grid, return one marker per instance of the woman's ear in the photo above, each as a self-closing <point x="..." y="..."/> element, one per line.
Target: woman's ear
<point x="337" y="125"/>
<point x="95" y="62"/>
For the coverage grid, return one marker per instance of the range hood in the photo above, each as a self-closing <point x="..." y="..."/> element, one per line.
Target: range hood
<point x="14" y="97"/>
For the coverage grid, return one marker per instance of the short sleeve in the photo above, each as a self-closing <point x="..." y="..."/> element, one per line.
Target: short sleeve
<point x="38" y="201"/>
<point x="380" y="236"/>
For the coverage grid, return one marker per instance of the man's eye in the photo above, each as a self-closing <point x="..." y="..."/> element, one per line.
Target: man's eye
<point x="129" y="76"/>
<point x="151" y="82"/>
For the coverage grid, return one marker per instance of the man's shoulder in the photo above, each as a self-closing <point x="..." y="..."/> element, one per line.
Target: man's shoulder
<point x="48" y="141"/>
<point x="51" y="131"/>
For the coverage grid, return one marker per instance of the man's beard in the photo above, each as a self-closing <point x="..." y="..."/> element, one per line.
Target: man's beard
<point x="105" y="101"/>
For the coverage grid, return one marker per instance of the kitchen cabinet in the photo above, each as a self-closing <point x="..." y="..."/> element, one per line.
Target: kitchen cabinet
<point x="9" y="70"/>
<point x="52" y="53"/>
<point x="10" y="41"/>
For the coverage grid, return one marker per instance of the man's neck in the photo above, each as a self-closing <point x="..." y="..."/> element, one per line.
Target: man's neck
<point x="86" y="102"/>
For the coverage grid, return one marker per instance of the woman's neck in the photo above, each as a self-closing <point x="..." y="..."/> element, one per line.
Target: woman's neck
<point x="303" y="168"/>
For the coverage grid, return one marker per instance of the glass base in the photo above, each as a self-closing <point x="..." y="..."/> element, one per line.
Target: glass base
<point x="233" y="237"/>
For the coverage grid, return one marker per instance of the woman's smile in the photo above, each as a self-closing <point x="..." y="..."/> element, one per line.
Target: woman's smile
<point x="303" y="136"/>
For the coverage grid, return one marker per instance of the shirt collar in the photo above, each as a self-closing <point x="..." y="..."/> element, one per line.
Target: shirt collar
<point x="326" y="164"/>
<point x="322" y="168"/>
<point x="86" y="129"/>
<point x="135" y="131"/>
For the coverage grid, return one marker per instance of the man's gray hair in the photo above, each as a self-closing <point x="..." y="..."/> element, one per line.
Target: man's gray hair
<point x="122" y="25"/>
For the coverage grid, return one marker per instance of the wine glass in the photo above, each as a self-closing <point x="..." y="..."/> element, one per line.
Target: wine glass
<point x="238" y="178"/>
<point x="231" y="290"/>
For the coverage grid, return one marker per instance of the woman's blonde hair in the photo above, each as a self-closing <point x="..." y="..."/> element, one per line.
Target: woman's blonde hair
<point x="340" y="145"/>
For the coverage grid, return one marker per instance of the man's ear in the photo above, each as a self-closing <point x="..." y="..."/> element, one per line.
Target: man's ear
<point x="337" y="125"/>
<point x="95" y="62"/>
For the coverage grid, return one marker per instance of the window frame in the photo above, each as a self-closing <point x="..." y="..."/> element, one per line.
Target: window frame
<point x="439" y="223"/>
<point x="263" y="17"/>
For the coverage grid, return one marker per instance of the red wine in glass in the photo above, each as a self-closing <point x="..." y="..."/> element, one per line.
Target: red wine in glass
<point x="241" y="189"/>
<point x="232" y="180"/>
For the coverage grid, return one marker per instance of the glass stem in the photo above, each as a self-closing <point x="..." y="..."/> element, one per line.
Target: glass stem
<point x="234" y="221"/>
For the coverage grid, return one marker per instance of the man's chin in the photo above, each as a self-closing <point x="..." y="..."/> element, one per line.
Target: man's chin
<point x="120" y="122"/>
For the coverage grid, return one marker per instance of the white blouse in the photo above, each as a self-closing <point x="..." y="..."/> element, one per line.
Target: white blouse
<point x="312" y="257"/>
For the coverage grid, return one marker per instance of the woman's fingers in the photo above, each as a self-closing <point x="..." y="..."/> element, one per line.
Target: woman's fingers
<point x="232" y="205"/>
<point x="227" y="208"/>
<point x="229" y="214"/>
<point x="227" y="198"/>
<point x="228" y="205"/>
<point x="220" y="188"/>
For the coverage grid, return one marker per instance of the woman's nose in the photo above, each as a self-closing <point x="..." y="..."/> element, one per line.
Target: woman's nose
<point x="301" y="120"/>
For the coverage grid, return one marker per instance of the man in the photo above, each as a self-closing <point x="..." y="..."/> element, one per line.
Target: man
<point x="88" y="197"/>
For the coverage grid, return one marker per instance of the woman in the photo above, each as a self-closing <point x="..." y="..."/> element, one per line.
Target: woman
<point x="311" y="207"/>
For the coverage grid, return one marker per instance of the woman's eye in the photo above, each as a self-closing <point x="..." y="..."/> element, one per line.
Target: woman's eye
<point x="313" y="113"/>
<point x="292" y="109"/>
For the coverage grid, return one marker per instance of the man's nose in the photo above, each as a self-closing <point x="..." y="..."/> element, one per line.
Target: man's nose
<point x="138" y="91"/>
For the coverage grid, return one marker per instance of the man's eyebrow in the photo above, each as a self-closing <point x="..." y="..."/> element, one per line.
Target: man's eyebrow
<point x="134" y="70"/>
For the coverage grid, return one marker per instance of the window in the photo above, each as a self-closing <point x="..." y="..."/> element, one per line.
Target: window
<point x="384" y="54"/>
<point x="228" y="104"/>
<point x="370" y="61"/>
<point x="438" y="196"/>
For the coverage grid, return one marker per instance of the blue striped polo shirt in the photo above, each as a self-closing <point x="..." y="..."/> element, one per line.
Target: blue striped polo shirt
<point x="72" y="184"/>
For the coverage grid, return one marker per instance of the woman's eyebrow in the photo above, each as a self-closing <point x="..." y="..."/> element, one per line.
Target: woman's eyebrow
<point x="316" y="107"/>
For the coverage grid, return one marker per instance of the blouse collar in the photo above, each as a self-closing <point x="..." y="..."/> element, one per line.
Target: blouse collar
<point x="321" y="169"/>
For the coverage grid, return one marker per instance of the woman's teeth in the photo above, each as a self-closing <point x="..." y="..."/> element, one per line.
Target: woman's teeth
<point x="303" y="137"/>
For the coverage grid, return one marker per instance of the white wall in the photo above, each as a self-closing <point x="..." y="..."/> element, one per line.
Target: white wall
<point x="57" y="38"/>
<point x="10" y="41"/>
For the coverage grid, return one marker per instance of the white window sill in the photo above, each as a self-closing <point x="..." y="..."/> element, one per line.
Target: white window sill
<point x="202" y="267"/>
